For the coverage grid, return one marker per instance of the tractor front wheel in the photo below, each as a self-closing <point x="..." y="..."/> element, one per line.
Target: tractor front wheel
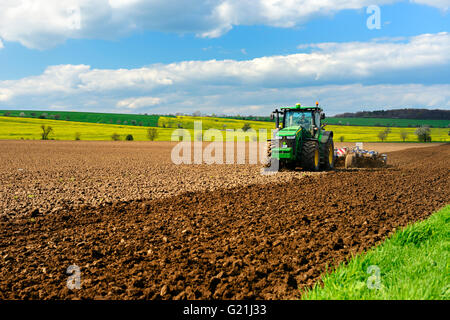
<point x="311" y="155"/>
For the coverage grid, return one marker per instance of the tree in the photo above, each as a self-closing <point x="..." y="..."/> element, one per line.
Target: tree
<point x="423" y="134"/>
<point x="133" y="122"/>
<point x="115" y="137"/>
<point x="246" y="127"/>
<point x="152" y="134"/>
<point x="341" y="138"/>
<point x="46" y="130"/>
<point x="403" y="135"/>
<point x="382" y="135"/>
<point x="77" y="136"/>
<point x="129" y="137"/>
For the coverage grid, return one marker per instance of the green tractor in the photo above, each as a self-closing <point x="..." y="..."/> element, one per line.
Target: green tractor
<point x="301" y="141"/>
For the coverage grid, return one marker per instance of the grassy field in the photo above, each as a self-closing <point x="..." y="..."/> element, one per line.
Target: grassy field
<point x="383" y="122"/>
<point x="412" y="264"/>
<point x="29" y="128"/>
<point x="91" y="117"/>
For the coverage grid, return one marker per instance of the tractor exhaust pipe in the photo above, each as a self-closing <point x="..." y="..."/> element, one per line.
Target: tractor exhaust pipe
<point x="276" y="115"/>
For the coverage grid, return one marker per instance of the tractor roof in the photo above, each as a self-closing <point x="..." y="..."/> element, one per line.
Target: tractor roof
<point x="299" y="107"/>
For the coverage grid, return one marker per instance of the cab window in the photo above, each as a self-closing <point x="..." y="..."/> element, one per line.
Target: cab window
<point x="297" y="119"/>
<point x="317" y="119"/>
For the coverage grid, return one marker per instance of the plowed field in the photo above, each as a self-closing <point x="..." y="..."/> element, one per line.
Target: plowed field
<point x="195" y="232"/>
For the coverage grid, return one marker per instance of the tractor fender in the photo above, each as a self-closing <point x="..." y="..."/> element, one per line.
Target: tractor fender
<point x="326" y="135"/>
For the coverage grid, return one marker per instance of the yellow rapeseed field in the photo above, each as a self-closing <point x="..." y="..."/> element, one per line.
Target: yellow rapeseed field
<point x="27" y="128"/>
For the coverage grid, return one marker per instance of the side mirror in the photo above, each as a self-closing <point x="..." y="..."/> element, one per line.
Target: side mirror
<point x="322" y="116"/>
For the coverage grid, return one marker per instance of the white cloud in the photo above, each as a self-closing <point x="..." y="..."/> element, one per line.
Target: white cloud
<point x="1" y="44"/>
<point x="136" y="103"/>
<point x="45" y="23"/>
<point x="341" y="74"/>
<point x="5" y="94"/>
<point x="441" y="4"/>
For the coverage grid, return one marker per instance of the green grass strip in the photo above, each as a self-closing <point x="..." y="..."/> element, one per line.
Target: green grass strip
<point x="413" y="264"/>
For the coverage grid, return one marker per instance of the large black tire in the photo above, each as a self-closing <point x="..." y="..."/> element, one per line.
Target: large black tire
<point x="327" y="155"/>
<point x="310" y="155"/>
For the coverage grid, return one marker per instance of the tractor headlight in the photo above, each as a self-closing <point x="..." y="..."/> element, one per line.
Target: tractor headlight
<point x="278" y="138"/>
<point x="290" y="137"/>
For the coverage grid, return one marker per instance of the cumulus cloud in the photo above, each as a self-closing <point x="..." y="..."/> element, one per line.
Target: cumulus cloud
<point x="1" y="44"/>
<point x="135" y="103"/>
<point x="353" y="71"/>
<point x="45" y="23"/>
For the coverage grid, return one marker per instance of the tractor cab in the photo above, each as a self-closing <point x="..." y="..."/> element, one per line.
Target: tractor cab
<point x="297" y="118"/>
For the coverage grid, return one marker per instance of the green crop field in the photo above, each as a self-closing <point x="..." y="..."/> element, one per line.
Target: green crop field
<point x="383" y="122"/>
<point x="92" y="117"/>
<point x="412" y="264"/>
<point x="29" y="128"/>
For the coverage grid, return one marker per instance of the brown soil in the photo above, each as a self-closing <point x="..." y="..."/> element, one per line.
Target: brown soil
<point x="48" y="175"/>
<point x="252" y="241"/>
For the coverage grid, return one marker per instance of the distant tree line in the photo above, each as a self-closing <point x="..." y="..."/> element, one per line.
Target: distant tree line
<point x="416" y="114"/>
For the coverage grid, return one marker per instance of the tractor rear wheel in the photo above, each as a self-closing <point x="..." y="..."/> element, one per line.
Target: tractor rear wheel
<point x="327" y="152"/>
<point x="310" y="155"/>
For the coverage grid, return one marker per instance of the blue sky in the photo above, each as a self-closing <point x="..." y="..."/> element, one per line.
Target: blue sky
<point x="205" y="59"/>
